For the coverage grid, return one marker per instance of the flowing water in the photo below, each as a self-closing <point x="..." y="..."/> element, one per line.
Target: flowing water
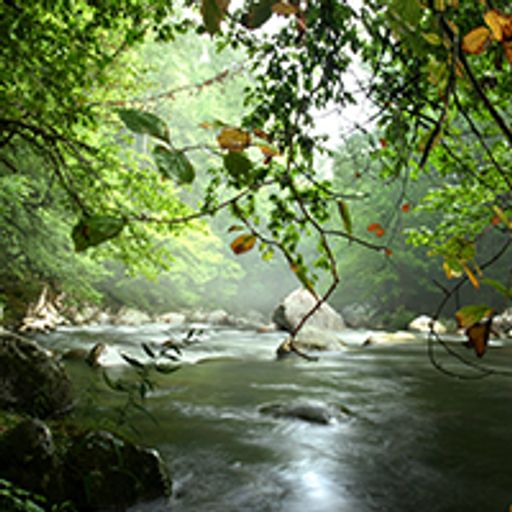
<point x="416" y="440"/>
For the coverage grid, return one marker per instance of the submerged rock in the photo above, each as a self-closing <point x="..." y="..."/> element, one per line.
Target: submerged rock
<point x="89" y="356"/>
<point x="297" y="304"/>
<point x="31" y="380"/>
<point x="320" y="414"/>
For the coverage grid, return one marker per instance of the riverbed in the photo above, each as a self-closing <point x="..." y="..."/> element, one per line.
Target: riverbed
<point x="410" y="437"/>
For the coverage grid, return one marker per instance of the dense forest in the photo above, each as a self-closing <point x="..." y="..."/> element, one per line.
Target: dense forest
<point x="172" y="156"/>
<point x="134" y="139"/>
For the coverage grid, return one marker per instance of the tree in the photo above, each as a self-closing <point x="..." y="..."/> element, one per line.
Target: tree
<point x="434" y="82"/>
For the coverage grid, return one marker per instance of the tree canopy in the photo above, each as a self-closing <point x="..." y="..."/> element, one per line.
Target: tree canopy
<point x="435" y="76"/>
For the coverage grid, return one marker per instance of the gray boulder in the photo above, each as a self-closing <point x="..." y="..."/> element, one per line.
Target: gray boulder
<point x="297" y="304"/>
<point x="31" y="380"/>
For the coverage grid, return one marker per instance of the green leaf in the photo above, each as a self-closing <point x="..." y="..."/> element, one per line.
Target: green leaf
<point x="212" y="12"/>
<point x="237" y="164"/>
<point x="144" y="122"/>
<point x="174" y="164"/>
<point x="345" y="216"/>
<point x="94" y="230"/>
<point x="499" y="287"/>
<point x="259" y="13"/>
<point x="470" y="315"/>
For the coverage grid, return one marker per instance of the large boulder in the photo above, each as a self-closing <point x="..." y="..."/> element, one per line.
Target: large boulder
<point x="105" y="472"/>
<point x="31" y="380"/>
<point x="28" y="458"/>
<point x="297" y="304"/>
<point x="94" y="470"/>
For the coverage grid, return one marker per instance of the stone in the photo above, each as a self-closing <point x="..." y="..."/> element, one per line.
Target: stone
<point x="502" y="323"/>
<point x="318" y="413"/>
<point x="172" y="318"/>
<point x="297" y="304"/>
<point x="422" y="324"/>
<point x="96" y="471"/>
<point x="130" y="316"/>
<point x="218" y="317"/>
<point x="28" y="458"/>
<point x="389" y="338"/>
<point x="106" y="472"/>
<point x="31" y="380"/>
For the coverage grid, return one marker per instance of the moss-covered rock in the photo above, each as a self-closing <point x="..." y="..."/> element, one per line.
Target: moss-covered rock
<point x="93" y="470"/>
<point x="105" y="472"/>
<point x="31" y="380"/>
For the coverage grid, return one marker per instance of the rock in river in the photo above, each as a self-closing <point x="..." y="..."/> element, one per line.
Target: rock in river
<point x="318" y="413"/>
<point x="31" y="381"/>
<point x="297" y="304"/>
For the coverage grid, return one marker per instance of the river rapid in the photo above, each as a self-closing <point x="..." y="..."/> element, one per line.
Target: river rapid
<point x="415" y="439"/>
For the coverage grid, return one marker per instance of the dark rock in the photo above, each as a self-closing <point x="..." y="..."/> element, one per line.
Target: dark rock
<point x="297" y="304"/>
<point x="31" y="380"/>
<point x="28" y="458"/>
<point x="320" y="414"/>
<point x="91" y="356"/>
<point x="105" y="472"/>
<point x="95" y="470"/>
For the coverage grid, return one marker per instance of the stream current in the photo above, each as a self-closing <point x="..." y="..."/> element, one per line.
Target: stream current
<point x="416" y="439"/>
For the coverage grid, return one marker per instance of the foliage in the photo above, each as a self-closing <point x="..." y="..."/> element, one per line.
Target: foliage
<point x="438" y="90"/>
<point x="14" y="499"/>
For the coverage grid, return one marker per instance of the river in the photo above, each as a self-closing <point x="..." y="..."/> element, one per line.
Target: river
<point x="416" y="440"/>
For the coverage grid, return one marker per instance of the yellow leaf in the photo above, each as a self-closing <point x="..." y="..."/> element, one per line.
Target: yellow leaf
<point x="234" y="139"/>
<point x="499" y="23"/>
<point x="284" y="9"/>
<point x="502" y="216"/>
<point x="472" y="278"/>
<point x="267" y="151"/>
<point x="439" y="5"/>
<point x="261" y="134"/>
<point x="432" y="38"/>
<point x="243" y="243"/>
<point x="476" y="41"/>
<point x="454" y="27"/>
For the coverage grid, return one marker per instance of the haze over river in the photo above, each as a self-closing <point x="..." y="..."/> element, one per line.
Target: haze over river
<point x="416" y="440"/>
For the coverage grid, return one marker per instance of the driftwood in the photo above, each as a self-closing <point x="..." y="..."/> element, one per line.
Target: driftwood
<point x="43" y="315"/>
